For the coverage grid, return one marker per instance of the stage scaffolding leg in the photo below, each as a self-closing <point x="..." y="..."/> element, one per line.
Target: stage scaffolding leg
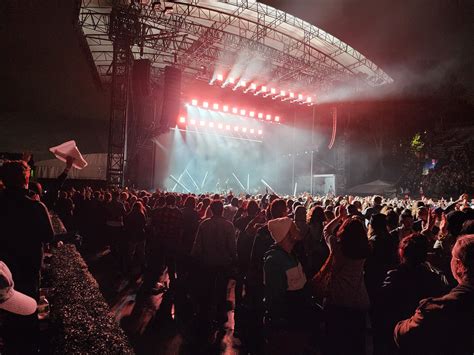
<point x="118" y="114"/>
<point x="312" y="152"/>
<point x="123" y="31"/>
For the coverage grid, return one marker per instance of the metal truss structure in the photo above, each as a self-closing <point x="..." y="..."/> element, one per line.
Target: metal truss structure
<point x="123" y="31"/>
<point x="203" y="34"/>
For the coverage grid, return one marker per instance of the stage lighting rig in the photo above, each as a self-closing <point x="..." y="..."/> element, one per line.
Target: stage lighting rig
<point x="235" y="110"/>
<point x="263" y="90"/>
<point x="270" y="93"/>
<point x="291" y="96"/>
<point x="240" y="83"/>
<point x="251" y="87"/>
<point x="298" y="99"/>
<point x="273" y="92"/>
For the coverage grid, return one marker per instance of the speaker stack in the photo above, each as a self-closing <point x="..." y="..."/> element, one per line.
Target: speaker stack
<point x="171" y="98"/>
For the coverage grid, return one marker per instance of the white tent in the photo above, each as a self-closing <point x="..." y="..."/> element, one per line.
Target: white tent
<point x="377" y="187"/>
<point x="95" y="170"/>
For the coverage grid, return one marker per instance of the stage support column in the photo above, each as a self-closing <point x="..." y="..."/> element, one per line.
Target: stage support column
<point x="312" y="151"/>
<point x="293" y="153"/>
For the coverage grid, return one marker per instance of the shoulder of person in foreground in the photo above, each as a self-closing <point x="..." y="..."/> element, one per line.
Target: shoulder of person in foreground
<point x="42" y="220"/>
<point x="433" y="319"/>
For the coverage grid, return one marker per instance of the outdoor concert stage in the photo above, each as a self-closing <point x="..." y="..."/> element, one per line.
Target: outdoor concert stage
<point x="220" y="95"/>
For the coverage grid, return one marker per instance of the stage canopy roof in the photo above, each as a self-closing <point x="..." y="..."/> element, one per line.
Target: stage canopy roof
<point x="249" y="40"/>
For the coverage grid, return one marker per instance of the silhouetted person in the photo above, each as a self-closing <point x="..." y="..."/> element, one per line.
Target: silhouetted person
<point x="404" y="287"/>
<point x="215" y="252"/>
<point x="444" y="325"/>
<point x="168" y="228"/>
<point x="24" y="227"/>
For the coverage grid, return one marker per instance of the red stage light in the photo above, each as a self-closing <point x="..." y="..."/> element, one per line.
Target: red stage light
<point x="220" y="126"/>
<point x="260" y="132"/>
<point x="273" y="91"/>
<point x="260" y="115"/>
<point x="244" y="129"/>
<point x="193" y="121"/>
<point x="194" y="102"/>
<point x="300" y="97"/>
<point x="264" y="89"/>
<point x="225" y="108"/>
<point x="282" y="93"/>
<point x="269" y="117"/>
<point x="309" y="99"/>
<point x="231" y="80"/>
<point x="277" y="119"/>
<point x="215" y="106"/>
<point x="242" y="112"/>
<point x="220" y="77"/>
<point x="205" y="104"/>
<point x="235" y="110"/>
<point x="253" y="86"/>
<point x="292" y="95"/>
<point x="242" y="83"/>
<point x="227" y="127"/>
<point x="252" y="130"/>
<point x="252" y="114"/>
<point x="182" y="119"/>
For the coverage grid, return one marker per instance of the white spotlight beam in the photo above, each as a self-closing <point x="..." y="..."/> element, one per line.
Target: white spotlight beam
<point x="296" y="187"/>
<point x="248" y="183"/>
<point x="194" y="182"/>
<point x="179" y="183"/>
<point x="204" y="180"/>
<point x="240" y="183"/>
<point x="179" y="179"/>
<point x="266" y="184"/>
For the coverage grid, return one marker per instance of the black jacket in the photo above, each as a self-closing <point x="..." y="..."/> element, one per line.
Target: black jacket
<point x="443" y="325"/>
<point x="24" y="227"/>
<point x="262" y="242"/>
<point x="399" y="296"/>
<point x="382" y="258"/>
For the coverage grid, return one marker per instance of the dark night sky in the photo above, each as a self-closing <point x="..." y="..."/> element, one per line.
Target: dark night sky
<point x="44" y="71"/>
<point x="413" y="40"/>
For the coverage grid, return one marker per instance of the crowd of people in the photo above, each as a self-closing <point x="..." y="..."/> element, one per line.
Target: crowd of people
<point x="452" y="173"/>
<point x="313" y="274"/>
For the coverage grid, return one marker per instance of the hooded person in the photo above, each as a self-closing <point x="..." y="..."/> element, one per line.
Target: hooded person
<point x="12" y="300"/>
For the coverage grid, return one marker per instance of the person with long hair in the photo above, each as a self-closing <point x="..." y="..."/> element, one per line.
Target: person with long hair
<point x="346" y="301"/>
<point x="202" y="207"/>
<point x="315" y="246"/>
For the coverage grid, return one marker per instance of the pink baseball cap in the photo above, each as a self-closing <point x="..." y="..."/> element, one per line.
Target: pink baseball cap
<point x="12" y="300"/>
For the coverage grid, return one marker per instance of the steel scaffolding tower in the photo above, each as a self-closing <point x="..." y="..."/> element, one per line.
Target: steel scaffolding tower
<point x="124" y="30"/>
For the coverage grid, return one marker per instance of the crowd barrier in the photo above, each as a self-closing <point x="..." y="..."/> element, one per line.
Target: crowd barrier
<point x="80" y="320"/>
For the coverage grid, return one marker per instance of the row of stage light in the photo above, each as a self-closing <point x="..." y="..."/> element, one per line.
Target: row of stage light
<point x="263" y="90"/>
<point x="236" y="111"/>
<point x="183" y="121"/>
